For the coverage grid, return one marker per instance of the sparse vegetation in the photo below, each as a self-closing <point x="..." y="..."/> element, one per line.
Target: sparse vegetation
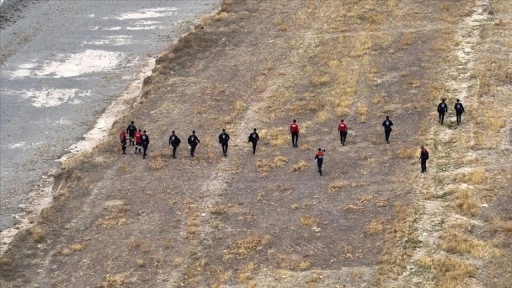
<point x="268" y="219"/>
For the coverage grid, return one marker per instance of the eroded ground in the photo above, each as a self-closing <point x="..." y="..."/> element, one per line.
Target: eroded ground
<point x="270" y="220"/>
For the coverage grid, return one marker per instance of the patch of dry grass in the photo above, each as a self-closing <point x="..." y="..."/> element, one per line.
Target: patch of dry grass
<point x="335" y="186"/>
<point x="247" y="246"/>
<point x="308" y="220"/>
<point x="374" y="227"/>
<point x="407" y="153"/>
<point x="458" y="243"/>
<point x="474" y="177"/>
<point x="449" y="272"/>
<point x="72" y="248"/>
<point x="115" y="215"/>
<point x="464" y="202"/>
<point x="278" y="137"/>
<point x="265" y="165"/>
<point x="38" y="234"/>
<point x="301" y="166"/>
<point x="362" y="113"/>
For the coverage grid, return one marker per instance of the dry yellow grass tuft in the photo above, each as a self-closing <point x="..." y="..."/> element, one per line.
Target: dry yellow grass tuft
<point x="407" y="153"/>
<point x="308" y="220"/>
<point x="277" y="136"/>
<point x="374" y="227"/>
<point x="245" y="247"/>
<point x="458" y="243"/>
<point x="475" y="176"/>
<point x="362" y="113"/>
<point x="301" y="166"/>
<point x="265" y="165"/>
<point x="38" y="234"/>
<point x="449" y="272"/>
<point x="304" y="265"/>
<point x="335" y="186"/>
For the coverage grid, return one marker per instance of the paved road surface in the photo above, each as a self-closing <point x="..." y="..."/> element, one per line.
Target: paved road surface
<point x="63" y="63"/>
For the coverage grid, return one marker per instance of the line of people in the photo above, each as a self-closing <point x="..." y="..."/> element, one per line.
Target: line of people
<point x="140" y="139"/>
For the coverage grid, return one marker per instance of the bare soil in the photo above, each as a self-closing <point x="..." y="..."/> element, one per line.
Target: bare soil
<point x="270" y="220"/>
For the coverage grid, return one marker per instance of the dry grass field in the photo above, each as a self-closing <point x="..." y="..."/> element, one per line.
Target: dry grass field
<point x="269" y="219"/>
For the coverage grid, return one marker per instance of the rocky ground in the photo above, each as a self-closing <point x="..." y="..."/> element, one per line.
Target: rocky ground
<point x="269" y="220"/>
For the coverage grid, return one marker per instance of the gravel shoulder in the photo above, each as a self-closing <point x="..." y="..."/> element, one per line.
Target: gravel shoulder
<point x="269" y="220"/>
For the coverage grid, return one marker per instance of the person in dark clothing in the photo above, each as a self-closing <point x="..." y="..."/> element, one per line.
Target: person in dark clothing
<point x="223" y="140"/>
<point x="423" y="159"/>
<point x="193" y="141"/>
<point x="145" y="143"/>
<point x="174" y="141"/>
<point x="459" y="109"/>
<point x="122" y="139"/>
<point x="131" y="130"/>
<point x="319" y="157"/>
<point x="254" y="138"/>
<point x="442" y="108"/>
<point x="294" y="130"/>
<point x="387" y="128"/>
<point x="343" y="129"/>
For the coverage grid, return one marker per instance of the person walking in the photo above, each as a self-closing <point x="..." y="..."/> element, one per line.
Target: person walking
<point x="193" y="141"/>
<point x="122" y="139"/>
<point x="343" y="130"/>
<point x="174" y="141"/>
<point x="223" y="140"/>
<point x="442" y="109"/>
<point x="294" y="130"/>
<point x="319" y="157"/>
<point x="138" y="141"/>
<point x="423" y="159"/>
<point x="387" y="128"/>
<point x="145" y="143"/>
<point x="254" y="138"/>
<point x="131" y="130"/>
<point x="459" y="109"/>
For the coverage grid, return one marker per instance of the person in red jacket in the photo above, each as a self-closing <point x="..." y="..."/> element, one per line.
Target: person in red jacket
<point x="319" y="157"/>
<point x="122" y="139"/>
<point x="138" y="141"/>
<point x="294" y="130"/>
<point x="343" y="129"/>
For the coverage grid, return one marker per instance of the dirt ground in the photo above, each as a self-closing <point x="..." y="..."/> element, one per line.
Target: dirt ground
<point x="269" y="219"/>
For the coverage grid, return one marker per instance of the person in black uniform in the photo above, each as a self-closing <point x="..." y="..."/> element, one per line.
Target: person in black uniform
<point x="131" y="129"/>
<point x="254" y="138"/>
<point x="223" y="140"/>
<point x="459" y="109"/>
<point x="174" y="141"/>
<point x="319" y="157"/>
<point x="122" y="139"/>
<point x="193" y="141"/>
<point x="423" y="159"/>
<point x="442" y="108"/>
<point x="387" y="128"/>
<point x="145" y="143"/>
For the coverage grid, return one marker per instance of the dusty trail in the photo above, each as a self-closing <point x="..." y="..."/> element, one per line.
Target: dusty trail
<point x="438" y="215"/>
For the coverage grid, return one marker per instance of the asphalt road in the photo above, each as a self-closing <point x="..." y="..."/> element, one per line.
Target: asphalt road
<point x="63" y="63"/>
